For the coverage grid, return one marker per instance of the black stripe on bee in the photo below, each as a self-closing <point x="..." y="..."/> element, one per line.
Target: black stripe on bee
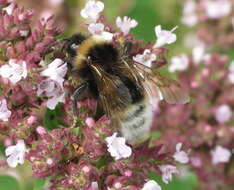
<point x="139" y="124"/>
<point x="137" y="112"/>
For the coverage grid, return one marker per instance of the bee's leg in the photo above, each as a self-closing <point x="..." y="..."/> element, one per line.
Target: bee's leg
<point x="127" y="48"/>
<point x="77" y="93"/>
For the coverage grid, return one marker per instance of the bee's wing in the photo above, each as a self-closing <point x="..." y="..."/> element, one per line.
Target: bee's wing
<point x="110" y="88"/>
<point x="166" y="88"/>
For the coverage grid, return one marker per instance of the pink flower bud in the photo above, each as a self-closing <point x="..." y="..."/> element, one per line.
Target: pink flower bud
<point x="196" y="162"/>
<point x="36" y="36"/>
<point x="128" y="173"/>
<point x="14" y="33"/>
<point x="7" y="142"/>
<point x="40" y="47"/>
<point x="3" y="2"/>
<point x="20" y="47"/>
<point x="194" y="84"/>
<point x="41" y="130"/>
<point x="205" y="72"/>
<point x="117" y="185"/>
<point x="31" y="119"/>
<point x="29" y="42"/>
<point x="49" y="161"/>
<point x="90" y="122"/>
<point x="10" y="53"/>
<point x="86" y="169"/>
<point x="48" y="39"/>
<point x="2" y="30"/>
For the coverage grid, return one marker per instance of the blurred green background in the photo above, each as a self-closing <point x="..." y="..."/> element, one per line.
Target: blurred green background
<point x="148" y="13"/>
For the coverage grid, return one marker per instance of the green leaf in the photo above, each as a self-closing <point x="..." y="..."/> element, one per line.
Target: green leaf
<point x="155" y="135"/>
<point x="54" y="118"/>
<point x="39" y="184"/>
<point x="2" y="149"/>
<point x="8" y="183"/>
<point x="147" y="16"/>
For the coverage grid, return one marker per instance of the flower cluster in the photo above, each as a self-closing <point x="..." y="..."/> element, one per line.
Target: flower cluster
<point x="205" y="125"/>
<point x="36" y="114"/>
<point x="214" y="19"/>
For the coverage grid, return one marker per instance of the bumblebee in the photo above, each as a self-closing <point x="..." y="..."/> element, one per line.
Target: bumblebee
<point x="121" y="86"/>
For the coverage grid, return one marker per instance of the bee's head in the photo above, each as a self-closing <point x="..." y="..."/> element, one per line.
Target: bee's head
<point x="73" y="43"/>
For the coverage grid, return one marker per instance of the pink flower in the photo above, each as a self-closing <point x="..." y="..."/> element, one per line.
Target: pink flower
<point x="56" y="71"/>
<point x="223" y="113"/>
<point x="16" y="154"/>
<point x="146" y="58"/>
<point x="4" y="112"/>
<point x="92" y="10"/>
<point x="54" y="92"/>
<point x="164" y="36"/>
<point x="220" y="155"/>
<point x="167" y="171"/>
<point x="98" y="29"/>
<point x="14" y="71"/>
<point x="126" y="24"/>
<point x="218" y="8"/>
<point x="180" y="156"/>
<point x="151" y="185"/>
<point x="179" y="63"/>
<point x="117" y="147"/>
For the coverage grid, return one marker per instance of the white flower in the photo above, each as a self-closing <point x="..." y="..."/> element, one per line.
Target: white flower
<point x="231" y="77"/>
<point x="220" y="155"/>
<point x="16" y="154"/>
<point x="94" y="185"/>
<point x="92" y="10"/>
<point x="45" y="15"/>
<point x="126" y="24"/>
<point x="55" y="2"/>
<point x="98" y="29"/>
<point x="179" y="63"/>
<point x="189" y="20"/>
<point x="14" y="71"/>
<point x="189" y="15"/>
<point x="231" y="66"/>
<point x="56" y="71"/>
<point x="151" y="185"/>
<point x="9" y="9"/>
<point x="180" y="156"/>
<point x="164" y="36"/>
<point x="167" y="171"/>
<point x="54" y="92"/>
<point x="223" y="113"/>
<point x="4" y="112"/>
<point x="146" y="58"/>
<point x="231" y="72"/>
<point x="218" y="8"/>
<point x="199" y="53"/>
<point x="23" y="33"/>
<point x="117" y="147"/>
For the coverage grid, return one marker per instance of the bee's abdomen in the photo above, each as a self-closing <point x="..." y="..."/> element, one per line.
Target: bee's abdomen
<point x="136" y="122"/>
